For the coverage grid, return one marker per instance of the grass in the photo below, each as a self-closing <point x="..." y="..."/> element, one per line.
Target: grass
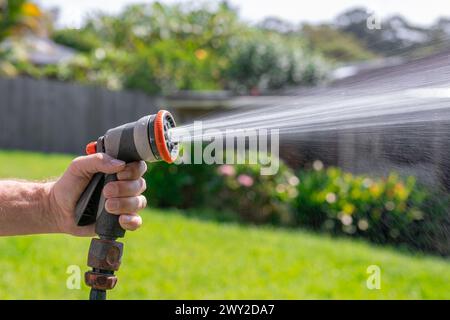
<point x="175" y="257"/>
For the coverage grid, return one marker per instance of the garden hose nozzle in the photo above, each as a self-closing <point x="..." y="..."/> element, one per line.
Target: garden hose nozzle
<point x="145" y="139"/>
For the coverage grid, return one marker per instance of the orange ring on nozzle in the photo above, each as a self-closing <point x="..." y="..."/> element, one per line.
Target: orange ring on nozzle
<point x="160" y="140"/>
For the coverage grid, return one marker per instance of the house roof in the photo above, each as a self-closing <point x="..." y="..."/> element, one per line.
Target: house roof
<point x="40" y="50"/>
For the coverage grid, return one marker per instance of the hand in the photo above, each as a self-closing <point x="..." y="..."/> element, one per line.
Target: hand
<point x="123" y="196"/>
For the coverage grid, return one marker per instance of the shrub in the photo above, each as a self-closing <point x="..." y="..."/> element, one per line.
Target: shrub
<point x="256" y="198"/>
<point x="180" y="186"/>
<point x="266" y="60"/>
<point x="391" y="210"/>
<point x="79" y="39"/>
<point x="237" y="189"/>
<point x="383" y="210"/>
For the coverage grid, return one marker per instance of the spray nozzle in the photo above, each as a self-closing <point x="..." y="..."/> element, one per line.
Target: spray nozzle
<point x="167" y="149"/>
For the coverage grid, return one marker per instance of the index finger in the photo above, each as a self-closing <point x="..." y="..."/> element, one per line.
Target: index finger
<point x="132" y="171"/>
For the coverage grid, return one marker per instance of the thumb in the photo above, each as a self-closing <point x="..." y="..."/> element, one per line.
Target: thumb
<point x="86" y="166"/>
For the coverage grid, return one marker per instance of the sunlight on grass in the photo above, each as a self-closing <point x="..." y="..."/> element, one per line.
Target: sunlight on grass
<point x="175" y="257"/>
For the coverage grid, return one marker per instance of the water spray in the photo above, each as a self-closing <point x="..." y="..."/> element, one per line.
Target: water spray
<point x="146" y="139"/>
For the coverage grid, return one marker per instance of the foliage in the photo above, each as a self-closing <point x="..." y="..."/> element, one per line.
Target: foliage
<point x="268" y="60"/>
<point x="100" y="67"/>
<point x="254" y="197"/>
<point x="384" y="210"/>
<point x="335" y="45"/>
<point x="239" y="189"/>
<point x="81" y="40"/>
<point x="180" y="186"/>
<point x="168" y="66"/>
<point x="165" y="47"/>
<point x="390" y="210"/>
<point x="10" y="15"/>
<point x="20" y="16"/>
<point x="161" y="48"/>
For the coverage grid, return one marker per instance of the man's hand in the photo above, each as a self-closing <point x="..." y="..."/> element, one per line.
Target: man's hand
<point x="123" y="196"/>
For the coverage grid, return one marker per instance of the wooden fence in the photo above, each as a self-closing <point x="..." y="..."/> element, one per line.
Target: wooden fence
<point x="51" y="116"/>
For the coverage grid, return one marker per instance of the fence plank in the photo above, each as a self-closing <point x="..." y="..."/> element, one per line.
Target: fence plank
<point x="51" y="116"/>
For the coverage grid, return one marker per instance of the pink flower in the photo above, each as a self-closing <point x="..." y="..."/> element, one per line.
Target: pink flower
<point x="245" y="180"/>
<point x="226" y="170"/>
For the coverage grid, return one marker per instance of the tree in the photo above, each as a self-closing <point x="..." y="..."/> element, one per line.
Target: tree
<point x="18" y="16"/>
<point x="334" y="44"/>
<point x="10" y="15"/>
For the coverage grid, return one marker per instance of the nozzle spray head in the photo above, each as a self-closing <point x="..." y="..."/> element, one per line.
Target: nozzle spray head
<point x="145" y="139"/>
<point x="166" y="149"/>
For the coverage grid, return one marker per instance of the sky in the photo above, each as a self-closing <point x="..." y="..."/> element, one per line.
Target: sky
<point x="422" y="12"/>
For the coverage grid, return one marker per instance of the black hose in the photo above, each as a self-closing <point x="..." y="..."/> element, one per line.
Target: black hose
<point x="97" y="294"/>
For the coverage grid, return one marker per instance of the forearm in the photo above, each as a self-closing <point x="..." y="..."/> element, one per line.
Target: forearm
<point x="25" y="208"/>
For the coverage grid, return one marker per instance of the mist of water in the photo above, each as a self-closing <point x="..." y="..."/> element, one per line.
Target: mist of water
<point x="413" y="94"/>
<point x="296" y="117"/>
<point x="396" y="118"/>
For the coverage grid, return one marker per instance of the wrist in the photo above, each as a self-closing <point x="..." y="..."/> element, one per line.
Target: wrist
<point x="48" y="208"/>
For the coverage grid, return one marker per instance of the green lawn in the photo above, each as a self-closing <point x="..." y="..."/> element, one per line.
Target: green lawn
<point x="174" y="257"/>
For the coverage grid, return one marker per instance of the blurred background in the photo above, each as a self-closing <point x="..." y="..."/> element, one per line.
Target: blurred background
<point x="339" y="203"/>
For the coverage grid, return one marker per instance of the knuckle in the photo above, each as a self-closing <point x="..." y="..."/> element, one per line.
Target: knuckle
<point x="132" y="171"/>
<point x="135" y="165"/>
<point x="125" y="205"/>
<point x="113" y="205"/>
<point x="75" y="164"/>
<point x="126" y="188"/>
<point x="129" y="167"/>
<point x="111" y="189"/>
<point x="135" y="174"/>
<point x="132" y="204"/>
<point x="77" y="160"/>
<point x="129" y="188"/>
<point x="98" y="156"/>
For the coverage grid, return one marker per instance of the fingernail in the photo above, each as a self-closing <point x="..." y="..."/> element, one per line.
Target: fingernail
<point x="112" y="204"/>
<point x="117" y="163"/>
<point x="127" y="218"/>
<point x="123" y="175"/>
<point x="110" y="190"/>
